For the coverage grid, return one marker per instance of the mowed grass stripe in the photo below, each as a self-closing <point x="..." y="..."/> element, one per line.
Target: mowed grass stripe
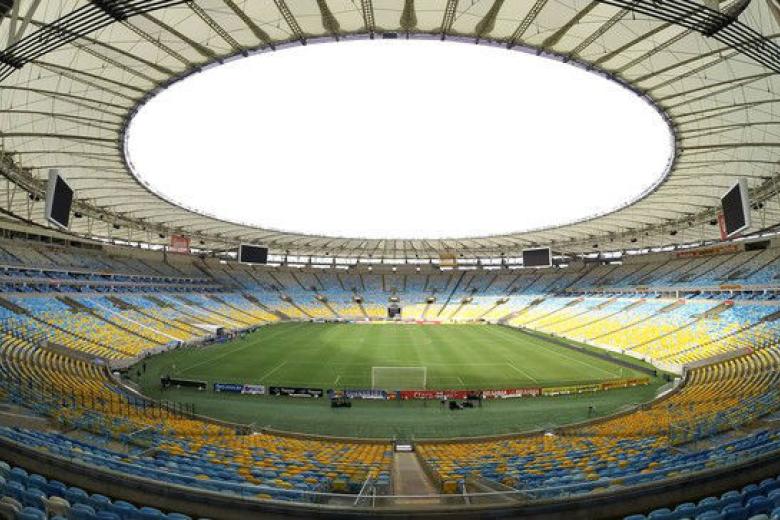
<point x="557" y="350"/>
<point x="327" y="355"/>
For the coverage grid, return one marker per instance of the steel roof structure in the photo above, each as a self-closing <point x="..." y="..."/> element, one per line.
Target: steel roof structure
<point x="73" y="73"/>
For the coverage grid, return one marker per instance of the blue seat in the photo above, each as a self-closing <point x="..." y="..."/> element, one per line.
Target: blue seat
<point x="125" y="510"/>
<point x="18" y="475"/>
<point x="748" y="492"/>
<point x="81" y="512"/>
<point x="34" y="497"/>
<point x="36" y="481"/>
<point x="99" y="502"/>
<point x="150" y="513"/>
<point x="56" y="488"/>
<point x="759" y="505"/>
<point x="31" y="513"/>
<point x="775" y="514"/>
<point x="685" y="510"/>
<point x="708" y="504"/>
<point x="661" y="514"/>
<point x="774" y="496"/>
<point x="179" y="516"/>
<point x="107" y="515"/>
<point x="76" y="495"/>
<point x="15" y="490"/>
<point x="710" y="515"/>
<point x="735" y="512"/>
<point x="769" y="485"/>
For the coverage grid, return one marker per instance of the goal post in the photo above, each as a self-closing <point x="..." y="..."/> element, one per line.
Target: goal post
<point x="399" y="378"/>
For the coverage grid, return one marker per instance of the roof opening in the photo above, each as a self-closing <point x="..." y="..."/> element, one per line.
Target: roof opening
<point x="399" y="139"/>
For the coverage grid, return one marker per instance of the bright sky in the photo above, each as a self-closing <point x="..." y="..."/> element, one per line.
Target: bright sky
<point x="399" y="139"/>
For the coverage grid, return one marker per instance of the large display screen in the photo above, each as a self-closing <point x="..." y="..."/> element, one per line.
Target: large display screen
<point x="736" y="208"/>
<point x="541" y="257"/>
<point x="252" y="254"/>
<point x="59" y="199"/>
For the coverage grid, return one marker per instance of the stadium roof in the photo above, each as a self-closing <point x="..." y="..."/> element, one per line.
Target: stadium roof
<point x="73" y="73"/>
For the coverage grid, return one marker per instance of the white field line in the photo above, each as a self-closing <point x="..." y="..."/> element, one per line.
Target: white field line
<point x="280" y="365"/>
<point x="561" y="354"/>
<point x="523" y="372"/>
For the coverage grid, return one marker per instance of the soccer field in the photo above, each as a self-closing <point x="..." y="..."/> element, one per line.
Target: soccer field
<point x="341" y="356"/>
<point x="358" y="356"/>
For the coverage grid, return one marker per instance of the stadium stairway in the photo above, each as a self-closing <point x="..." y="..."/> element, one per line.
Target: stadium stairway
<point x="210" y="314"/>
<point x="296" y="306"/>
<point x="184" y="328"/>
<point x="452" y="293"/>
<point x="245" y="316"/>
<point x="363" y="310"/>
<point x="520" y="312"/>
<point x="326" y="303"/>
<point x="410" y="479"/>
<point x="261" y="305"/>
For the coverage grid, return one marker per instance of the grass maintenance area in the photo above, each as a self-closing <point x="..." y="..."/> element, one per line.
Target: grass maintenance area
<point x="362" y="356"/>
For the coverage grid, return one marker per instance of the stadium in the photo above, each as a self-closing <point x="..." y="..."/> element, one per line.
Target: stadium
<point x="601" y="354"/>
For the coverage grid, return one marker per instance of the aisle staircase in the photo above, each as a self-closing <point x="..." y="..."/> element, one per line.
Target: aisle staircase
<point x="410" y="479"/>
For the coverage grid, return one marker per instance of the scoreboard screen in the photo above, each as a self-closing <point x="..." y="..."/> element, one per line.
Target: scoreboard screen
<point x="540" y="257"/>
<point x="736" y="209"/>
<point x="59" y="199"/>
<point x="248" y="254"/>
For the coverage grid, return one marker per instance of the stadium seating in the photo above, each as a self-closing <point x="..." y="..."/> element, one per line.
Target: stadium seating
<point x="117" y="308"/>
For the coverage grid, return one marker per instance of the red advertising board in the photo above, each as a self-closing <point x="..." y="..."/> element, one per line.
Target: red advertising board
<point x="179" y="244"/>
<point x="436" y="394"/>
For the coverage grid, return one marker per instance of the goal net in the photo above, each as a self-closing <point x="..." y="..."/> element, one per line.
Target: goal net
<point x="399" y="378"/>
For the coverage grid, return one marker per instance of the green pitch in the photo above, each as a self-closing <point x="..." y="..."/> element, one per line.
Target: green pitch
<point x="341" y="356"/>
<point x="356" y="356"/>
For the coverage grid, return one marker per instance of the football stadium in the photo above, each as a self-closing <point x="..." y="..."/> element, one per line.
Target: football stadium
<point x="389" y="259"/>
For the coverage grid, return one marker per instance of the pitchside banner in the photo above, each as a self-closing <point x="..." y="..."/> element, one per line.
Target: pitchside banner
<point x="295" y="391"/>
<point x="235" y="388"/>
<point x="231" y="388"/>
<point x="253" y="389"/>
<point x="365" y="394"/>
<point x="574" y="389"/>
<point x="438" y="394"/>
<point x="512" y="392"/>
<point x="625" y="383"/>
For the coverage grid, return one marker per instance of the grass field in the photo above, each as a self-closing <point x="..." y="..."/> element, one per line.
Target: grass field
<point x="342" y="356"/>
